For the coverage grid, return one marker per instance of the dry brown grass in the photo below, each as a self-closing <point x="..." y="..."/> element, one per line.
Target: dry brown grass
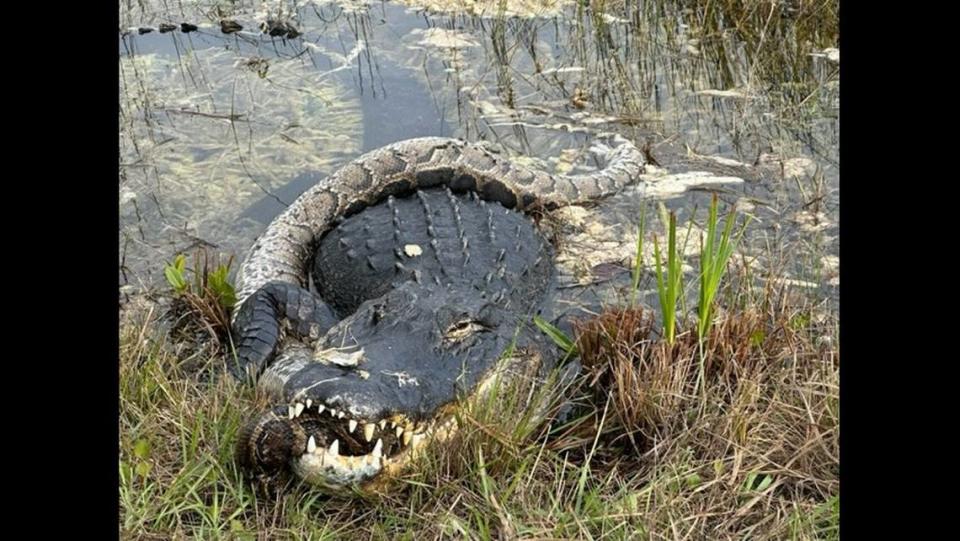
<point x="755" y="452"/>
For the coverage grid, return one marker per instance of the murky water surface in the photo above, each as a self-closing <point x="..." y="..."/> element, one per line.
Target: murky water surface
<point x="218" y="132"/>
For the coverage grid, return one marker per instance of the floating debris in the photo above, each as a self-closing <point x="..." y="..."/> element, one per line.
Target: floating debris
<point x="443" y="38"/>
<point x="613" y="19"/>
<point x="830" y="269"/>
<point x="726" y="161"/>
<point x="736" y="94"/>
<point x="564" y="163"/>
<point x="811" y="222"/>
<point x="273" y="28"/>
<point x="799" y="168"/>
<point x="276" y="28"/>
<point x="560" y="71"/>
<point x="745" y="204"/>
<point x="580" y="98"/>
<point x="830" y="263"/>
<point x="494" y="8"/>
<point x="187" y="27"/>
<point x="229" y="27"/>
<point x="167" y="27"/>
<point x="664" y="186"/>
<point x="832" y="54"/>
<point x="488" y="108"/>
<point x="127" y="195"/>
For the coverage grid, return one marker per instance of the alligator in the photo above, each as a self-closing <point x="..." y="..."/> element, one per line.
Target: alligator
<point x="271" y="27"/>
<point x="426" y="265"/>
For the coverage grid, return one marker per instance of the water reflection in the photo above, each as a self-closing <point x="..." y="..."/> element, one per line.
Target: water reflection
<point x="219" y="131"/>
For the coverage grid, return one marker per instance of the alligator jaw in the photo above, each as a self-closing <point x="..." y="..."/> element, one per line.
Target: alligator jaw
<point x="328" y="448"/>
<point x="327" y="467"/>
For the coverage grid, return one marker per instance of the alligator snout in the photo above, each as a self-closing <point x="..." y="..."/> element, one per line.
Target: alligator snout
<point x="380" y="384"/>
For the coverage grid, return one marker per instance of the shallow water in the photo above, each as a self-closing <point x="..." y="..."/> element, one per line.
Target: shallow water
<point x="219" y="132"/>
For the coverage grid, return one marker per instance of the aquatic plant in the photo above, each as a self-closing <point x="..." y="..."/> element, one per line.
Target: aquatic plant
<point x="714" y="255"/>
<point x="669" y="286"/>
<point x="206" y="299"/>
<point x="638" y="262"/>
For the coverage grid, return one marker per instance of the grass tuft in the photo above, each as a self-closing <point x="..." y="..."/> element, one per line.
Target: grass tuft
<point x="203" y="299"/>
<point x="713" y="265"/>
<point x="669" y="281"/>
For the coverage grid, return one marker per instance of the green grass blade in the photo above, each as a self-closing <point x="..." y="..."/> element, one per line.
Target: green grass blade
<point x="668" y="287"/>
<point x="713" y="263"/>
<point x="559" y="337"/>
<point x="638" y="262"/>
<point x="661" y="286"/>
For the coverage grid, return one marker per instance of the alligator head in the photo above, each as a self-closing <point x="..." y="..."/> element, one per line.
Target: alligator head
<point x="382" y="384"/>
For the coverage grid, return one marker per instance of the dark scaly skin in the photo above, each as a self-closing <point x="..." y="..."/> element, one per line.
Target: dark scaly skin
<point x="442" y="315"/>
<point x="463" y="241"/>
<point x="272" y="311"/>
<point x="423" y="329"/>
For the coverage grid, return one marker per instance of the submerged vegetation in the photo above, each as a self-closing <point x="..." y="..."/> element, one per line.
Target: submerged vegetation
<point x="707" y="402"/>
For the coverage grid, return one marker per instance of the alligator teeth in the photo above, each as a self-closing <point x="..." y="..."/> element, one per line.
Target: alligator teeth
<point x="399" y="431"/>
<point x="334" y="449"/>
<point x="417" y="439"/>
<point x="298" y="409"/>
<point x="407" y="436"/>
<point x="368" y="431"/>
<point x="311" y="445"/>
<point x="382" y="424"/>
<point x="378" y="448"/>
<point x="291" y="412"/>
<point x="320" y="408"/>
<point x="341" y="415"/>
<point x="309" y="403"/>
<point x="353" y="425"/>
<point x="333" y="412"/>
<point x="393" y="424"/>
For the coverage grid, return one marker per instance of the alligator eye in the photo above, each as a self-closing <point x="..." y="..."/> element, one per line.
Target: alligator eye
<point x="462" y="329"/>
